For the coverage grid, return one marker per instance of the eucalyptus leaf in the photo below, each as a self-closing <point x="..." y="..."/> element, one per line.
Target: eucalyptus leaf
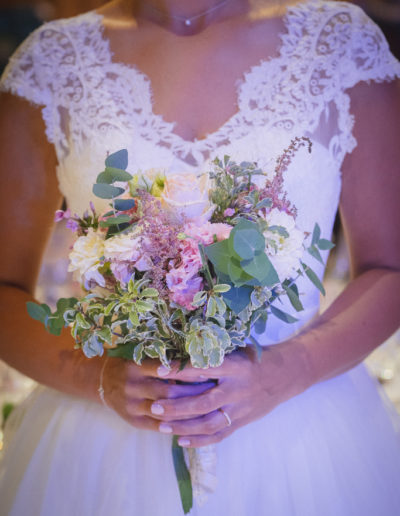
<point x="313" y="278"/>
<point x="105" y="191"/>
<point x="316" y="234"/>
<point x="37" y="312"/>
<point x="313" y="251"/>
<point x="124" y="204"/>
<point x="118" y="159"/>
<point x="283" y="316"/>
<point x="218" y="254"/>
<point x="324" y="244"/>
<point x="112" y="175"/>
<point x="261" y="268"/>
<point x="247" y="242"/>
<point x="114" y="221"/>
<point x="293" y="298"/>
<point x="237" y="298"/>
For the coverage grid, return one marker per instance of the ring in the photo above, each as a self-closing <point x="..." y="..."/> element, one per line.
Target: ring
<point x="228" y="419"/>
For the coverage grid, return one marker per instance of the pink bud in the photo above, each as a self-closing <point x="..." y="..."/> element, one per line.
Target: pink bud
<point x="229" y="212"/>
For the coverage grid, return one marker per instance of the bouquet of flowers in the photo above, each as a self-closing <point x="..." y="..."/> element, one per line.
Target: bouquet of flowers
<point x="183" y="267"/>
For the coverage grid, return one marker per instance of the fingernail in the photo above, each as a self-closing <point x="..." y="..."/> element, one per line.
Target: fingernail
<point x="157" y="409"/>
<point x="182" y="441"/>
<point x="203" y="377"/>
<point x="165" y="429"/>
<point x="162" y="371"/>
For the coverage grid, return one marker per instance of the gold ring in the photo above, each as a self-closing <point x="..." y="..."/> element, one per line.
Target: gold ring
<point x="228" y="419"/>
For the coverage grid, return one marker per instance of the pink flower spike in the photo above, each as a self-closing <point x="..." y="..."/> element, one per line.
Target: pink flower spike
<point x="229" y="212"/>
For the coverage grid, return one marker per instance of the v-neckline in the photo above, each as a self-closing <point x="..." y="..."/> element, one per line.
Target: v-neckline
<point x="240" y="82"/>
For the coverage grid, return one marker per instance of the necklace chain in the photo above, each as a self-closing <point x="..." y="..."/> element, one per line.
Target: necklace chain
<point x="188" y="20"/>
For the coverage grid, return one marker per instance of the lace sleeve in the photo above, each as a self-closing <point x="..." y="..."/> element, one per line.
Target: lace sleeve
<point x="368" y="56"/>
<point x="33" y="74"/>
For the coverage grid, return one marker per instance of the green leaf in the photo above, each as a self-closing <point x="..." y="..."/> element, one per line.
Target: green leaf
<point x="118" y="159"/>
<point x="111" y="175"/>
<point x="316" y="234"/>
<point x="313" y="278"/>
<point x="37" y="312"/>
<point x="265" y="203"/>
<point x="211" y="307"/>
<point x="149" y="292"/>
<point x="54" y="325"/>
<point x="82" y="322"/>
<point x="114" y="221"/>
<point x="237" y="298"/>
<point x="237" y="274"/>
<point x="124" y="204"/>
<point x="122" y="351"/>
<point x="247" y="242"/>
<point x="138" y="353"/>
<point x="293" y="298"/>
<point x="105" y="334"/>
<point x="109" y="308"/>
<point x="143" y="306"/>
<point x="218" y="255"/>
<point x="315" y="253"/>
<point x="283" y="316"/>
<point x="133" y="317"/>
<point x="182" y="476"/>
<point x="221" y="288"/>
<point x="261" y="268"/>
<point x="106" y="191"/>
<point x="324" y="244"/>
<point x="261" y="322"/>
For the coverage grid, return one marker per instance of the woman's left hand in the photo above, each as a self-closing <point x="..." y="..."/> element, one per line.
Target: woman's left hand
<point x="246" y="389"/>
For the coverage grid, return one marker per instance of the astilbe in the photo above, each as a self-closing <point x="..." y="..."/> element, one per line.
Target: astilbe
<point x="161" y="236"/>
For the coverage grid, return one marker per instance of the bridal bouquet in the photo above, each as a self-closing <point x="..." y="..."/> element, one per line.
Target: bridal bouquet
<point x="183" y="267"/>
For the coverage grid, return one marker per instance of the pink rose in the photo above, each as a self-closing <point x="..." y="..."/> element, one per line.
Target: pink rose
<point x="204" y="233"/>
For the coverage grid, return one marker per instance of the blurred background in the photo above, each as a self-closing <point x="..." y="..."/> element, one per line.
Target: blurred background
<point x="17" y="19"/>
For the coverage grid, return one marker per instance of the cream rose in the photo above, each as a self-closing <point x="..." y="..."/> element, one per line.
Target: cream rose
<point x="284" y="252"/>
<point x="187" y="196"/>
<point x="128" y="248"/>
<point x="85" y="258"/>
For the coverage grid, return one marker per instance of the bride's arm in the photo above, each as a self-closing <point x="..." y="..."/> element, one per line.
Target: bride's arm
<point x="361" y="318"/>
<point x="29" y="196"/>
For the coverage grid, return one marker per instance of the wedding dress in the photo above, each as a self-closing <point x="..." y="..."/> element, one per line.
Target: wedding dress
<point x="332" y="451"/>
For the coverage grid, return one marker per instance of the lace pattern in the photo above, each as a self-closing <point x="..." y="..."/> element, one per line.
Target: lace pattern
<point x="66" y="66"/>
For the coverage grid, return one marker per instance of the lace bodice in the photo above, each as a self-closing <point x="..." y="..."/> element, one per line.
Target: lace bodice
<point x="93" y="105"/>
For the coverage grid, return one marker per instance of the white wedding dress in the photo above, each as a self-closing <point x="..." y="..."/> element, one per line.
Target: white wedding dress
<point x="332" y="451"/>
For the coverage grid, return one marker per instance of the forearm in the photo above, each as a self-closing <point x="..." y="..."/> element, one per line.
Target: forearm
<point x="50" y="360"/>
<point x="359" y="320"/>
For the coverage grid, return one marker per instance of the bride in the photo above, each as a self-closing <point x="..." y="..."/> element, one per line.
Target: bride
<point x="304" y="431"/>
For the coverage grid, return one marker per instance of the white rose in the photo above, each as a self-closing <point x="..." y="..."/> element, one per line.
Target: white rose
<point x="187" y="196"/>
<point x="284" y="252"/>
<point x="85" y="258"/>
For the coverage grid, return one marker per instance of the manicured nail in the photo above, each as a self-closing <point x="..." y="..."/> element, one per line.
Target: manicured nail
<point x="165" y="429"/>
<point x="182" y="441"/>
<point x="203" y="377"/>
<point x="162" y="371"/>
<point x="157" y="409"/>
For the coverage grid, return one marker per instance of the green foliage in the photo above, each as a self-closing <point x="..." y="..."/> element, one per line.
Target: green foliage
<point x="182" y="475"/>
<point x="118" y="159"/>
<point x="105" y="191"/>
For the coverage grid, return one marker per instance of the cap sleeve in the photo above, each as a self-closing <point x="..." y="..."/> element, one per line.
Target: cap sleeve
<point x="25" y="75"/>
<point x="368" y="56"/>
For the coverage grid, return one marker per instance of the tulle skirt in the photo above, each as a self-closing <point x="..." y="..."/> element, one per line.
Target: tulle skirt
<point x="332" y="451"/>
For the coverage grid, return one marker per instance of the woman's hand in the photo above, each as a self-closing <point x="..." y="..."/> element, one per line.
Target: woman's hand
<point x="246" y="390"/>
<point x="130" y="390"/>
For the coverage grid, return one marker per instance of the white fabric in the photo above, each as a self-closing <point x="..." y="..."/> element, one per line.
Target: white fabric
<point x="334" y="449"/>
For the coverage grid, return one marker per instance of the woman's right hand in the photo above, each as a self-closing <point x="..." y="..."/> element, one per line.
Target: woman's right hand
<point x="130" y="390"/>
